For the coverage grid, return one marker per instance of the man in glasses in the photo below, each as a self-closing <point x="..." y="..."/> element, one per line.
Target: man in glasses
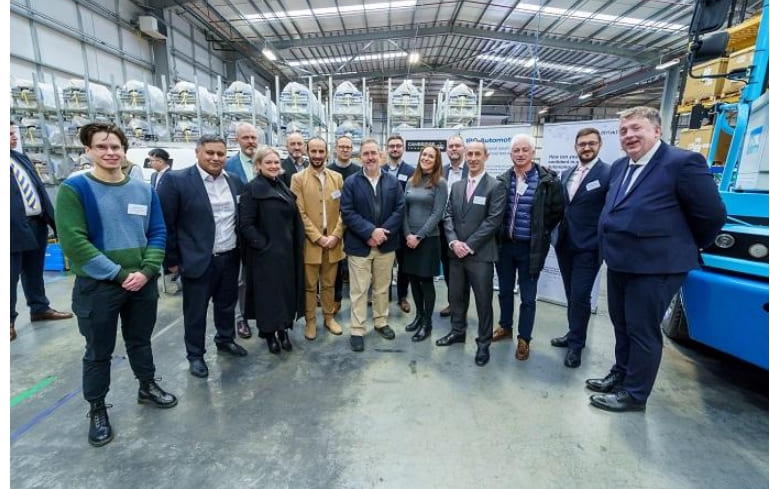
<point x="584" y="188"/>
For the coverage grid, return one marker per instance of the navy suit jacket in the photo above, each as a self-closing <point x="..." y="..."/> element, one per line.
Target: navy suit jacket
<point x="578" y="228"/>
<point x="289" y="169"/>
<point x="22" y="236"/>
<point x="357" y="210"/>
<point x="403" y="173"/>
<point x="189" y="219"/>
<point x="671" y="211"/>
<point x="233" y="167"/>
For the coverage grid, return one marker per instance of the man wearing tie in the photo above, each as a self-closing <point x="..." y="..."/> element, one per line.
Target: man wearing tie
<point x="473" y="215"/>
<point x="199" y="207"/>
<point x="454" y="171"/>
<point x="662" y="207"/>
<point x="577" y="244"/>
<point x="31" y="214"/>
<point x="160" y="161"/>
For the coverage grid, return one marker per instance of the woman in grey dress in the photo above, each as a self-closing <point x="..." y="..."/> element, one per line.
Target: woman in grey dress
<point x="424" y="203"/>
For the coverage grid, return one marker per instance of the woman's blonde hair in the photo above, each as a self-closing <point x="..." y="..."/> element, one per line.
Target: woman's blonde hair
<point x="261" y="153"/>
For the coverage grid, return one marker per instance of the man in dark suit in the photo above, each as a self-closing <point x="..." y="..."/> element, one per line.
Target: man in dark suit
<point x="402" y="170"/>
<point x="296" y="161"/>
<point x="372" y="208"/>
<point x="199" y="207"/>
<point x="454" y="171"/>
<point x="160" y="161"/>
<point x="31" y="214"/>
<point x="662" y="207"/>
<point x="474" y="213"/>
<point x="241" y="166"/>
<point x="576" y="242"/>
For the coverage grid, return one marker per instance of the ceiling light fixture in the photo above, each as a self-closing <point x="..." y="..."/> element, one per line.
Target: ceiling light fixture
<point x="330" y="11"/>
<point x="668" y="64"/>
<point x="345" y="59"/>
<point x="414" y="57"/>
<point x="269" y="54"/>
<point x="529" y="62"/>
<point x="583" y="15"/>
<point x="489" y="93"/>
<point x="586" y="95"/>
<point x="544" y="111"/>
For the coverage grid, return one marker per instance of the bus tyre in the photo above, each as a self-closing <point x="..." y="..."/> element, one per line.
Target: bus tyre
<point x="674" y="324"/>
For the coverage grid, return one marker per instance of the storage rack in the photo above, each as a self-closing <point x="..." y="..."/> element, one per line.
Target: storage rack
<point x="457" y="106"/>
<point x="241" y="102"/>
<point x="406" y="105"/>
<point x="299" y="110"/>
<point x="350" y="112"/>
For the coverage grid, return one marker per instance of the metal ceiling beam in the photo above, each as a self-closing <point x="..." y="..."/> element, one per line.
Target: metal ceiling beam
<point x="459" y="30"/>
<point x="610" y="88"/>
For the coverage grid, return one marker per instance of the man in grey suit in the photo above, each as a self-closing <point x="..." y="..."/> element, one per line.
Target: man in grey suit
<point x="474" y="214"/>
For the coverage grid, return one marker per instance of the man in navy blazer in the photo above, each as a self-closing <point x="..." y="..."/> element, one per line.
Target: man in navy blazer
<point x="241" y="165"/>
<point x="576" y="242"/>
<point x="372" y="209"/>
<point x="200" y="209"/>
<point x="31" y="214"/>
<point x="454" y="171"/>
<point x="662" y="207"/>
<point x="403" y="171"/>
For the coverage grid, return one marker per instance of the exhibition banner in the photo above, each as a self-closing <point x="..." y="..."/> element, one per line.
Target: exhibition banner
<point x="497" y="138"/>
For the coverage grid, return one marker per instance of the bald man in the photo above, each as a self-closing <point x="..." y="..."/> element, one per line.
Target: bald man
<point x="296" y="161"/>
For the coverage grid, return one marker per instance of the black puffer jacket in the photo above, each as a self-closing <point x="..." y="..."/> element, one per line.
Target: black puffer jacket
<point x="547" y="210"/>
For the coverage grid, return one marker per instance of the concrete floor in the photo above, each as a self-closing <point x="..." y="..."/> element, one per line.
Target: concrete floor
<point x="399" y="415"/>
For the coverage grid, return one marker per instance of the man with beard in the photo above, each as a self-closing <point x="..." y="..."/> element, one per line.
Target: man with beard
<point x="584" y="188"/>
<point x="242" y="166"/>
<point x="295" y="162"/>
<point x="318" y="192"/>
<point x="398" y="168"/>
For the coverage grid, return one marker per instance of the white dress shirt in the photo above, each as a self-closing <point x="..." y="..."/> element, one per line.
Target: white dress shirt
<point x="223" y="208"/>
<point x="641" y="163"/>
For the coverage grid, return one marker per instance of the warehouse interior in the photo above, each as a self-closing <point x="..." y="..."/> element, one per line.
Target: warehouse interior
<point x="400" y="415"/>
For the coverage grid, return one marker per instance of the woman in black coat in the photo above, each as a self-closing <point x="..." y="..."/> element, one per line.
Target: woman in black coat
<point x="272" y="241"/>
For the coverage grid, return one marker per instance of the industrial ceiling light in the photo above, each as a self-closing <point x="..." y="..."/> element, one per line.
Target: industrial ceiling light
<point x="269" y="54"/>
<point x="330" y="11"/>
<point x="529" y="62"/>
<point x="594" y="17"/>
<point x="668" y="64"/>
<point x="414" y="57"/>
<point x="586" y="95"/>
<point x="345" y="59"/>
<point x="489" y="93"/>
<point x="544" y="111"/>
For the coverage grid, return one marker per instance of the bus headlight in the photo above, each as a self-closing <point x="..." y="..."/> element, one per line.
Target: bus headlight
<point x="758" y="250"/>
<point x="724" y="240"/>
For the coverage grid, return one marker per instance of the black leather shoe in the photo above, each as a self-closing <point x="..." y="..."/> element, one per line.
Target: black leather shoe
<point x="232" y="348"/>
<point x="283" y="338"/>
<point x="482" y="355"/>
<point x="450" y="339"/>
<point x="386" y="332"/>
<point x="572" y="358"/>
<point x="99" y="430"/>
<point x="559" y="342"/>
<point x="415" y="324"/>
<point x="357" y="343"/>
<point x="618" y="402"/>
<point x="612" y="380"/>
<point x="198" y="368"/>
<point x="244" y="331"/>
<point x="151" y="393"/>
<point x="272" y="344"/>
<point x="422" y="333"/>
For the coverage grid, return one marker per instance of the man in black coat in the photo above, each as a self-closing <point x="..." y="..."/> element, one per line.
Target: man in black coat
<point x="31" y="214"/>
<point x="295" y="162"/>
<point x="200" y="209"/>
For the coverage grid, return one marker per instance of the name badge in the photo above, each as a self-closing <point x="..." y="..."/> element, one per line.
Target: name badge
<point x="479" y="200"/>
<point x="137" y="209"/>
<point x="336" y="194"/>
<point x="521" y="187"/>
<point x="237" y="199"/>
<point x="402" y="178"/>
<point x="593" y="185"/>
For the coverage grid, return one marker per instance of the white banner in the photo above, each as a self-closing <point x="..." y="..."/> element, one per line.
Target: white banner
<point x="497" y="138"/>
<point x="559" y="154"/>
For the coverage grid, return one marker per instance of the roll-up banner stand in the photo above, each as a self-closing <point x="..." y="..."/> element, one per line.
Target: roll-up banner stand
<point x="558" y="153"/>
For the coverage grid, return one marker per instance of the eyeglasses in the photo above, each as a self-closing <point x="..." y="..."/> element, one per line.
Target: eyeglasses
<point x="589" y="144"/>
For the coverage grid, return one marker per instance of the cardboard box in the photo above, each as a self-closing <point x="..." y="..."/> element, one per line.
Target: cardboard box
<point x="700" y="140"/>
<point x="737" y="60"/>
<point x="696" y="89"/>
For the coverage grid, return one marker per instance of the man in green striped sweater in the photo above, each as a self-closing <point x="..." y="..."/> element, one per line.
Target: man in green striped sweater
<point x="111" y="228"/>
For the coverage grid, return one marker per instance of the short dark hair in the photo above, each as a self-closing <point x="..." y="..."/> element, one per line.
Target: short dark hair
<point x="317" y="138"/>
<point x="586" y="131"/>
<point x="162" y="154"/>
<point x="209" y="138"/>
<point x="87" y="132"/>
<point x="395" y="136"/>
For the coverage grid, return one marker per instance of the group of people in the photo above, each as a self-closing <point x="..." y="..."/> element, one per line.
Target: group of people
<point x="269" y="247"/>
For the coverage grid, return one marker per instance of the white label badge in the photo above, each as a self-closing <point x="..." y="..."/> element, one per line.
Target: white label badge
<point x="480" y="200"/>
<point x="521" y="187"/>
<point x="402" y="178"/>
<point x="137" y="209"/>
<point x="593" y="185"/>
<point x="336" y="194"/>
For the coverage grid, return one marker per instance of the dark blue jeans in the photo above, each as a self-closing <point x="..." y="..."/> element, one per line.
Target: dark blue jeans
<point x="514" y="258"/>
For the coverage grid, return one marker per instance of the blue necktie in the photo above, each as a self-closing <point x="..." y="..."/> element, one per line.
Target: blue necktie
<point x="24" y="185"/>
<point x="627" y="182"/>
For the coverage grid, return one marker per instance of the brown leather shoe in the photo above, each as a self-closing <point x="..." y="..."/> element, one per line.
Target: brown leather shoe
<point x="500" y="334"/>
<point x="337" y="307"/>
<point x="445" y="312"/>
<point x="310" y="329"/>
<point x="404" y="305"/>
<point x="522" y="350"/>
<point x="244" y="331"/>
<point x="13" y="332"/>
<point x="50" y="315"/>
<point x="332" y="325"/>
